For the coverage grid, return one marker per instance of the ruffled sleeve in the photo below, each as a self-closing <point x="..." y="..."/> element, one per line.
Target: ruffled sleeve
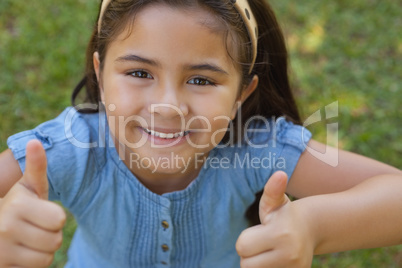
<point x="277" y="145"/>
<point x="69" y="141"/>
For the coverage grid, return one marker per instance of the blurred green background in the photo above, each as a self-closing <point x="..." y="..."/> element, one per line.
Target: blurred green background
<point x="347" y="51"/>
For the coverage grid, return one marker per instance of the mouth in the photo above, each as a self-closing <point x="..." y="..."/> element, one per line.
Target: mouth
<point x="163" y="135"/>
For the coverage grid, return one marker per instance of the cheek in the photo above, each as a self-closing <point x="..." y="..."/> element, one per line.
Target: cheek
<point x="220" y="128"/>
<point x="123" y="102"/>
<point x="125" y="128"/>
<point x="118" y="92"/>
<point x="216" y="104"/>
<point x="215" y="118"/>
<point x="124" y="110"/>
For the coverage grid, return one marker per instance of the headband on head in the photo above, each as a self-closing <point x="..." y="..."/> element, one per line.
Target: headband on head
<point x="241" y="6"/>
<point x="105" y="3"/>
<point x="250" y="22"/>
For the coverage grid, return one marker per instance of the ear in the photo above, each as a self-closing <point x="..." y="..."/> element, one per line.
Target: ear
<point x="96" y="63"/>
<point x="246" y="92"/>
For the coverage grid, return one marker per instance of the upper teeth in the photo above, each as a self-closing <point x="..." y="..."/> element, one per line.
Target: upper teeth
<point x="166" y="135"/>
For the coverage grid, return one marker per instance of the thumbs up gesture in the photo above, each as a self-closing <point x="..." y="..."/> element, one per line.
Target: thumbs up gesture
<point x="30" y="225"/>
<point x="282" y="238"/>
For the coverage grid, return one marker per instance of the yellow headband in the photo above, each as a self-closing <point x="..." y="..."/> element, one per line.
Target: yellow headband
<point x="241" y="6"/>
<point x="244" y="10"/>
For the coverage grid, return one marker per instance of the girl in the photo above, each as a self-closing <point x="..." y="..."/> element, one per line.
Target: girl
<point x="195" y="117"/>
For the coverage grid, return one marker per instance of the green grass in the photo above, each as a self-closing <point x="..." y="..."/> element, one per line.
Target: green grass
<point x="348" y="51"/>
<point x="345" y="51"/>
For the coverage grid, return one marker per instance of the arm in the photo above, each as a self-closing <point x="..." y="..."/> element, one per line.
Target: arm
<point x="366" y="210"/>
<point x="10" y="172"/>
<point x="313" y="176"/>
<point x="366" y="216"/>
<point x="356" y="204"/>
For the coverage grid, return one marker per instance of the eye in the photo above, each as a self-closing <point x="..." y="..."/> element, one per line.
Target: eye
<point x="140" y="74"/>
<point x="201" y="82"/>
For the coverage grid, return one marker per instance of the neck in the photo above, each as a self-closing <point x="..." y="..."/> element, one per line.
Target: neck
<point x="165" y="180"/>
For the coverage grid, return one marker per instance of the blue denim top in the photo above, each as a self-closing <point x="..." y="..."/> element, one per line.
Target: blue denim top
<point x="123" y="224"/>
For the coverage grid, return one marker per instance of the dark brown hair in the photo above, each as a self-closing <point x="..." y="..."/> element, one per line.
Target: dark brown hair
<point x="273" y="96"/>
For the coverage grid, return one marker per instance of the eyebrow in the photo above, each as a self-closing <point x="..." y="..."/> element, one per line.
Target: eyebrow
<point x="204" y="66"/>
<point x="132" y="57"/>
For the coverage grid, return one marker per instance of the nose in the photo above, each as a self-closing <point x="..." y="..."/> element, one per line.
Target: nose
<point x="168" y="104"/>
<point x="168" y="111"/>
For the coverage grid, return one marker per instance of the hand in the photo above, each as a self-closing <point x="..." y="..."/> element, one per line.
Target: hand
<point x="30" y="225"/>
<point x="282" y="239"/>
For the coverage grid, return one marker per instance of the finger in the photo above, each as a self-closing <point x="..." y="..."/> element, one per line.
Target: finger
<point x="21" y="204"/>
<point x="44" y="214"/>
<point x="277" y="258"/>
<point x="271" y="259"/>
<point x="30" y="258"/>
<point x="35" y="176"/>
<point x="36" y="238"/>
<point x="273" y="196"/>
<point x="253" y="241"/>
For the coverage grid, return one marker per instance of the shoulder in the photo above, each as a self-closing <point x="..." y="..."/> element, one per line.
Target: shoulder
<point x="278" y="131"/>
<point x="268" y="145"/>
<point x="73" y="147"/>
<point x="70" y="129"/>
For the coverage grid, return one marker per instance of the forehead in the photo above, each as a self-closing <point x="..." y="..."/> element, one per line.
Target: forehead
<point x="200" y="15"/>
<point x="166" y="27"/>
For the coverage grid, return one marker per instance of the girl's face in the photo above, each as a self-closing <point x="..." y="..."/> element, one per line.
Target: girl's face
<point x="170" y="89"/>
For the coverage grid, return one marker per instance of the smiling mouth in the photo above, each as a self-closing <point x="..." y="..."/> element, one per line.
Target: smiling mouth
<point x="166" y="135"/>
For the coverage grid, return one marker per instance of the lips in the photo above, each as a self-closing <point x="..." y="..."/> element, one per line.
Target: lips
<point x="165" y="135"/>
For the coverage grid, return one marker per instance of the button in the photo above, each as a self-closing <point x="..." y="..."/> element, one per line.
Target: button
<point x="164" y="263"/>
<point x="165" y="247"/>
<point x="165" y="224"/>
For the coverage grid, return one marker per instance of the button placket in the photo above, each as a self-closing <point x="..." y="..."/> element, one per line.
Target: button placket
<point x="165" y="235"/>
<point x="165" y="224"/>
<point x="165" y="247"/>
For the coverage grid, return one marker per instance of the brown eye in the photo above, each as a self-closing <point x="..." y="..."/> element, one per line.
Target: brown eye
<point x="201" y="82"/>
<point x="141" y="74"/>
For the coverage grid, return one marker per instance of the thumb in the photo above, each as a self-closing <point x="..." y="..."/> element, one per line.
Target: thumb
<point x="274" y="195"/>
<point x="35" y="176"/>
